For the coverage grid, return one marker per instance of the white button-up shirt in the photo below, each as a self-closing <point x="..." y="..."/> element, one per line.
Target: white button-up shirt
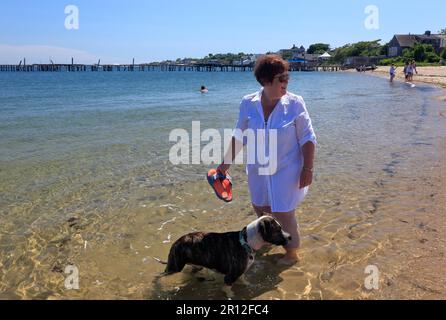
<point x="291" y="121"/>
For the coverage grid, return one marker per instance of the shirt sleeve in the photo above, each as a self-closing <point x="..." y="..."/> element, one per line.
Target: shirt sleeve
<point x="304" y="128"/>
<point x="242" y="123"/>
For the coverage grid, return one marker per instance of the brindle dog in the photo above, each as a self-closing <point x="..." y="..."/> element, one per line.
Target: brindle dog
<point x="230" y="253"/>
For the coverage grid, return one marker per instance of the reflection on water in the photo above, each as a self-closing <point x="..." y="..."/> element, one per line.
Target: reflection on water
<point x="86" y="181"/>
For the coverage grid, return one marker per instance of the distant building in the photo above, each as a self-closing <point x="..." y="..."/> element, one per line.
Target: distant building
<point x="246" y="60"/>
<point x="311" y="57"/>
<point x="215" y="62"/>
<point x="325" y="56"/>
<point x="188" y="61"/>
<point x="405" y="41"/>
<point x="299" y="59"/>
<point x="354" y="62"/>
<point x="295" y="52"/>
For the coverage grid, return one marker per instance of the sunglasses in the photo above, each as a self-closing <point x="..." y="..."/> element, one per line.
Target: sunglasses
<point x="283" y="77"/>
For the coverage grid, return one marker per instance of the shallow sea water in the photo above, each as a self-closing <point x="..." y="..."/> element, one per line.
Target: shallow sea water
<point x="85" y="180"/>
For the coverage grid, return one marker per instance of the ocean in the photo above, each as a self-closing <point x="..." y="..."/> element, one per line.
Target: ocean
<point x="86" y="181"/>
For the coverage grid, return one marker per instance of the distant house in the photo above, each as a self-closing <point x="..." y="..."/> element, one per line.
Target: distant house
<point x="188" y="61"/>
<point x="246" y="60"/>
<point x="294" y="52"/>
<point x="405" y="41"/>
<point x="299" y="55"/>
<point x="311" y="57"/>
<point x="214" y="62"/>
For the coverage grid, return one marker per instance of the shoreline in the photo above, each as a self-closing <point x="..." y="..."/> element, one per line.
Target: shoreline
<point x="430" y="75"/>
<point x="423" y="251"/>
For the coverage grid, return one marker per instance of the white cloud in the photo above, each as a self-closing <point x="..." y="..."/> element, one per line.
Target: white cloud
<point x="12" y="54"/>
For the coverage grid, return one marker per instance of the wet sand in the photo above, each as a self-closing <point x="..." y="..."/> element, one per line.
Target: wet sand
<point x="425" y="254"/>
<point x="430" y="75"/>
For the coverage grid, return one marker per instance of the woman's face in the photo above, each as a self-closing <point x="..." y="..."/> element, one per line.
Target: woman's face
<point x="278" y="88"/>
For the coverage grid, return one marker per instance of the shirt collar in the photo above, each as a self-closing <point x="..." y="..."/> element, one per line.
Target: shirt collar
<point x="284" y="101"/>
<point x="258" y="96"/>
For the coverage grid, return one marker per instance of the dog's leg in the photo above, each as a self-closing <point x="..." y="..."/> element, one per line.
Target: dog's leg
<point x="232" y="277"/>
<point x="243" y="280"/>
<point x="196" y="269"/>
<point x="234" y="273"/>
<point x="175" y="263"/>
<point x="228" y="291"/>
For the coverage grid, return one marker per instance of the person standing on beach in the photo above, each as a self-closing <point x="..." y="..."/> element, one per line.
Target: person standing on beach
<point x="414" y="69"/>
<point x="392" y="72"/>
<point x="275" y="110"/>
<point x="406" y="71"/>
<point x="410" y="72"/>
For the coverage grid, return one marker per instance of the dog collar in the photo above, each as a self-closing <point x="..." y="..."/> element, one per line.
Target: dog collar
<point x="243" y="242"/>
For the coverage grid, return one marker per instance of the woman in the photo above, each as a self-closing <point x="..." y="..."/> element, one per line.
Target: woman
<point x="280" y="192"/>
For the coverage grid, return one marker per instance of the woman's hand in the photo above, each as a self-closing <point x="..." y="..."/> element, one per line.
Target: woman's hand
<point x="223" y="168"/>
<point x="306" y="177"/>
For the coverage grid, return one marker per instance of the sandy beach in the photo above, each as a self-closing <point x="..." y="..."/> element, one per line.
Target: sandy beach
<point x="430" y="75"/>
<point x="425" y="255"/>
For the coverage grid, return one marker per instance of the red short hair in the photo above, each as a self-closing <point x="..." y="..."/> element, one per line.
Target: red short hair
<point x="269" y="66"/>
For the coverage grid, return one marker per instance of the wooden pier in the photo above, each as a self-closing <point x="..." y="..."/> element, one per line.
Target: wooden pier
<point x="173" y="67"/>
<point x="122" y="67"/>
<point x="316" y="67"/>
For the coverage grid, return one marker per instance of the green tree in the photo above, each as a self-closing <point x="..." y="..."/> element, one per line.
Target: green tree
<point x="443" y="54"/>
<point x="384" y="50"/>
<point x="287" y="55"/>
<point x="425" y="53"/>
<point x="419" y="52"/>
<point x="432" y="57"/>
<point x="318" y="48"/>
<point x="408" y="54"/>
<point x="359" y="49"/>
<point x="442" y="31"/>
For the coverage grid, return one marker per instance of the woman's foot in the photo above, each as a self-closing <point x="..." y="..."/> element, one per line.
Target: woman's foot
<point x="264" y="250"/>
<point x="289" y="259"/>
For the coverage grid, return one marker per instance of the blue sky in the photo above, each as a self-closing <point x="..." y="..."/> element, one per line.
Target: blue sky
<point x="116" y="31"/>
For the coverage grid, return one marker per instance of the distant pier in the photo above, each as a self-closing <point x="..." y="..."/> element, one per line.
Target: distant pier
<point x="123" y="67"/>
<point x="317" y="68"/>
<point x="197" y="67"/>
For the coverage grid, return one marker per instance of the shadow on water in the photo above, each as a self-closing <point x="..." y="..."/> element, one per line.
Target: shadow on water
<point x="262" y="277"/>
<point x="426" y="88"/>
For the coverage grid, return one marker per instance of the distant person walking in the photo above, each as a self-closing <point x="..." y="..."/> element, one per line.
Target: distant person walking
<point x="392" y="72"/>
<point x="414" y="69"/>
<point x="406" y="71"/>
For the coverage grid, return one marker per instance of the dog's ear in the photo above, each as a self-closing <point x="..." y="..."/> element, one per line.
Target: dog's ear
<point x="265" y="227"/>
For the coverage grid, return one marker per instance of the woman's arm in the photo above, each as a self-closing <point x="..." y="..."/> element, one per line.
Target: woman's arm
<point x="306" y="177"/>
<point x="232" y="152"/>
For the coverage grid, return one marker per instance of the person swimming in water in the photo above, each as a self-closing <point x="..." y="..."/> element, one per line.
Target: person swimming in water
<point x="204" y="89"/>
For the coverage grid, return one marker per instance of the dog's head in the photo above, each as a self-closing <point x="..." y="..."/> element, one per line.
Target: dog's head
<point x="272" y="232"/>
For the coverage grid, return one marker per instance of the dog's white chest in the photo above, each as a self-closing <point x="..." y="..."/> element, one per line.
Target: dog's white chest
<point x="250" y="262"/>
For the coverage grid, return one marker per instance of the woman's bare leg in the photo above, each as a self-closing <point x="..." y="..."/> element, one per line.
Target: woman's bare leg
<point x="289" y="224"/>
<point x="261" y="211"/>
